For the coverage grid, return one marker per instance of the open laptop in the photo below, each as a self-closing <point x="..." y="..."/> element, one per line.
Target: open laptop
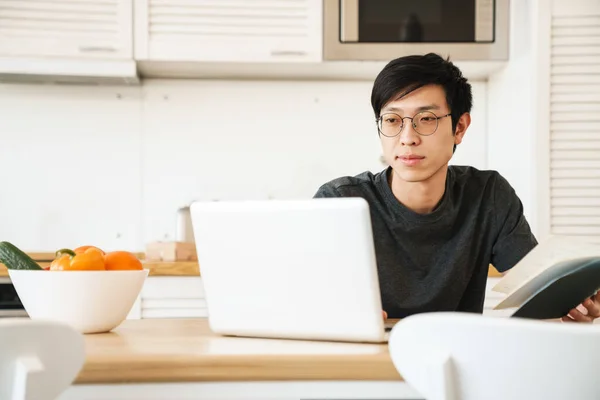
<point x="295" y="269"/>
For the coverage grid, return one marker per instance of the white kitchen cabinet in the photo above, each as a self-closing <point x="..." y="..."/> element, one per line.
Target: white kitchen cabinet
<point x="228" y="30"/>
<point x="172" y="297"/>
<point x="69" y="29"/>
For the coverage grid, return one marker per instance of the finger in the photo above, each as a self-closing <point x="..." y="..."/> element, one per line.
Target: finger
<point x="567" y="319"/>
<point x="592" y="306"/>
<point x="578" y="316"/>
<point x="384" y="315"/>
<point x="596" y="297"/>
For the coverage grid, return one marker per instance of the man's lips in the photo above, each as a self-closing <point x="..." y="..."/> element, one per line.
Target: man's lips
<point x="410" y="159"/>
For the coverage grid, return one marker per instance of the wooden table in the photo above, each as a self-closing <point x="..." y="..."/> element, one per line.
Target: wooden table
<point x="183" y="359"/>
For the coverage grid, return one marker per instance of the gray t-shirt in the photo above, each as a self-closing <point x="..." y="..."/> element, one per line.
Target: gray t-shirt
<point x="439" y="261"/>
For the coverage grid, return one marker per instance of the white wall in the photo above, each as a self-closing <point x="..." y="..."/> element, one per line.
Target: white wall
<point x="70" y="167"/>
<point x="512" y="114"/>
<point x="110" y="166"/>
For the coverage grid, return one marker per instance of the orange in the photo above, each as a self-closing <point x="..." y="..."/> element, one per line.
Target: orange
<point x="121" y="260"/>
<point x="82" y="249"/>
<point x="92" y="259"/>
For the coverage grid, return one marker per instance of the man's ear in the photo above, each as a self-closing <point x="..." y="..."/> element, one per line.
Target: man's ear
<point x="461" y="127"/>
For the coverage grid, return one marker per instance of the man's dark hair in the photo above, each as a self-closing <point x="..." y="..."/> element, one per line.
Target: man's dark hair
<point x="406" y="74"/>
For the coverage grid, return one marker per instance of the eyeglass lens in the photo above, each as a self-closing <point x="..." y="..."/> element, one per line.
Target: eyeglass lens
<point x="425" y="123"/>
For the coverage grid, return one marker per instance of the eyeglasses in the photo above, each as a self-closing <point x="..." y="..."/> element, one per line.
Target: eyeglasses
<point x="424" y="123"/>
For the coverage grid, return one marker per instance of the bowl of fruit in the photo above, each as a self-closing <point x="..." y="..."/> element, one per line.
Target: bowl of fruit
<point x="86" y="287"/>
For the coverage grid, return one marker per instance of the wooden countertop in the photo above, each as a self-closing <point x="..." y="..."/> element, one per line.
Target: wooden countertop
<point x="185" y="350"/>
<point x="158" y="268"/>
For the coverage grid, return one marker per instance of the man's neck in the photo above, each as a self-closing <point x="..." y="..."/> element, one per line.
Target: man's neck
<point x="420" y="197"/>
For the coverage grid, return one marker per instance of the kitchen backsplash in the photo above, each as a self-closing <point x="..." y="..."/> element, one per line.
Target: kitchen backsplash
<point x="111" y="165"/>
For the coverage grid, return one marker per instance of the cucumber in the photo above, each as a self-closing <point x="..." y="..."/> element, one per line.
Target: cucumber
<point x="14" y="258"/>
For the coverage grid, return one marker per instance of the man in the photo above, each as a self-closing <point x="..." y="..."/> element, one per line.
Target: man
<point x="436" y="227"/>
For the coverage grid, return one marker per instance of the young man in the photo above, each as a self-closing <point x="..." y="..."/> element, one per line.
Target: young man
<point x="436" y="227"/>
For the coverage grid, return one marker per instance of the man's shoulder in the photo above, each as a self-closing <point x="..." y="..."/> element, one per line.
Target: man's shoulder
<point x="470" y="174"/>
<point x="474" y="177"/>
<point x="350" y="185"/>
<point x="490" y="183"/>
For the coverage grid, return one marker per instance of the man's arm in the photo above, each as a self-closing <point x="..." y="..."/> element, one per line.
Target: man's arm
<point x="515" y="239"/>
<point x="327" y="190"/>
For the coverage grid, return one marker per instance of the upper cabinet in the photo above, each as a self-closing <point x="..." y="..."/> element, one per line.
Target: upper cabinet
<point x="121" y="41"/>
<point x="228" y="30"/>
<point x="76" y="29"/>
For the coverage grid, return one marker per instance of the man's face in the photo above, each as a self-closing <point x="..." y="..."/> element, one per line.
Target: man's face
<point x="413" y="156"/>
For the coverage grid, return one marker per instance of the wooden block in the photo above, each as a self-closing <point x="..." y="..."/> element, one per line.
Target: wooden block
<point x="171" y="251"/>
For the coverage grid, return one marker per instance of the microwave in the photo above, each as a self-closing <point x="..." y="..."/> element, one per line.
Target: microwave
<point x="381" y="30"/>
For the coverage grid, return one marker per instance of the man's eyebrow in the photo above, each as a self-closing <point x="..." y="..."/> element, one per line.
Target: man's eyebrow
<point x="429" y="107"/>
<point x="394" y="109"/>
<point x="422" y="108"/>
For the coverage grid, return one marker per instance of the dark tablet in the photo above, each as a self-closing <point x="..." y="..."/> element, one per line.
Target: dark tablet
<point x="564" y="293"/>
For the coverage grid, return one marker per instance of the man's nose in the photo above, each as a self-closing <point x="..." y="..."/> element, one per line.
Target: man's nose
<point x="408" y="135"/>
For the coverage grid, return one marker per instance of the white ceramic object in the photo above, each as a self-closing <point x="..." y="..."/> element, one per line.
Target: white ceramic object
<point x="39" y="360"/>
<point x="89" y="301"/>
<point x="466" y="356"/>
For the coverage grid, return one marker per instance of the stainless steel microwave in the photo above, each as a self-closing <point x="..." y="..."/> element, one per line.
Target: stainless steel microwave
<point x="380" y="30"/>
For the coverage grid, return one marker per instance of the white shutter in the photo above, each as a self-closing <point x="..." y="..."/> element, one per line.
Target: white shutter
<point x="575" y="119"/>
<point x="230" y="30"/>
<point x="66" y="28"/>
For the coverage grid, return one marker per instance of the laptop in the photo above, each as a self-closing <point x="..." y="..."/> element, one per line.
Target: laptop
<point x="290" y="269"/>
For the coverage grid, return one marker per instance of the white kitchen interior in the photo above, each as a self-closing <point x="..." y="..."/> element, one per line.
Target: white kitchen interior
<point x="144" y="149"/>
<point x="107" y="133"/>
<point x="115" y="114"/>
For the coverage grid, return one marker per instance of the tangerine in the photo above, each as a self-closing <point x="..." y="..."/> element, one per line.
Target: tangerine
<point x="82" y="249"/>
<point x="121" y="260"/>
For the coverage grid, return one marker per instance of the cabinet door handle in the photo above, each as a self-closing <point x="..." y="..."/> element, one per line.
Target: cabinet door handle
<point x="288" y="53"/>
<point x="97" y="49"/>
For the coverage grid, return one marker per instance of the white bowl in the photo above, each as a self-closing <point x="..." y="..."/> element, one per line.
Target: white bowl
<point x="89" y="301"/>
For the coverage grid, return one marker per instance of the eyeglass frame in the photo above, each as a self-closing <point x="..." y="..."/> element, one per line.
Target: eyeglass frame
<point x="437" y="123"/>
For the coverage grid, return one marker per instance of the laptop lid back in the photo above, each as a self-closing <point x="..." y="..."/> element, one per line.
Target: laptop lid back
<point x="300" y="269"/>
